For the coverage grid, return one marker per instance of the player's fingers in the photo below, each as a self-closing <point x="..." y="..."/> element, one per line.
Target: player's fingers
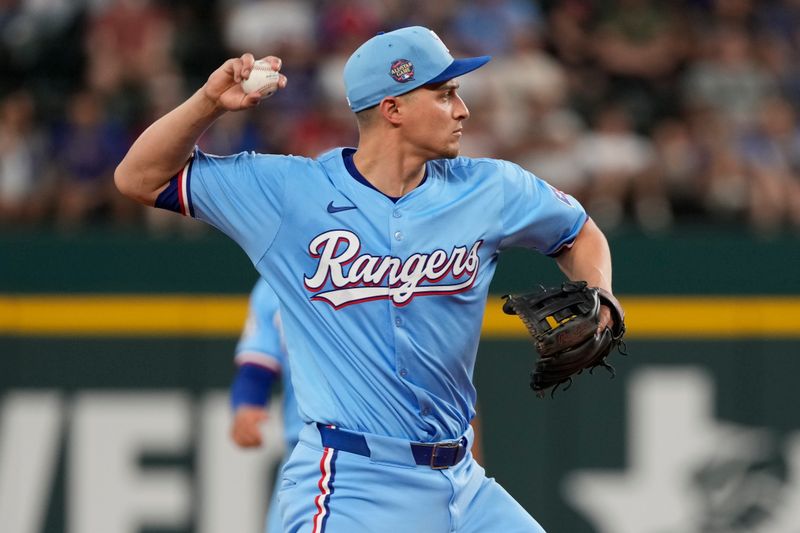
<point x="251" y="438"/>
<point x="237" y="437"/>
<point x="248" y="442"/>
<point x="275" y="62"/>
<point x="245" y="441"/>
<point x="237" y="65"/>
<point x="250" y="100"/>
<point x="246" y="437"/>
<point x="228" y="68"/>
<point x="605" y="319"/>
<point x="248" y="61"/>
<point x="282" y="81"/>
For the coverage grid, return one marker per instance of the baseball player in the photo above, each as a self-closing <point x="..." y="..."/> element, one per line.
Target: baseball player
<point x="261" y="357"/>
<point x="381" y="256"/>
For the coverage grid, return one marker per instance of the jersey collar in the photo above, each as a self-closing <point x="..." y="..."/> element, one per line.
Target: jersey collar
<point x="347" y="159"/>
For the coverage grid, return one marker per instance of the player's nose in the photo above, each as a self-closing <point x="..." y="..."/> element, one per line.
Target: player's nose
<point x="460" y="110"/>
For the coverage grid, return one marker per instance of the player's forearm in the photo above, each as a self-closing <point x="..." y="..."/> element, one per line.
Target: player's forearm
<point x="589" y="258"/>
<point x="163" y="149"/>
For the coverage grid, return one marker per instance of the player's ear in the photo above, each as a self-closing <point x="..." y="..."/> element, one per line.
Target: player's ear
<point x="390" y="109"/>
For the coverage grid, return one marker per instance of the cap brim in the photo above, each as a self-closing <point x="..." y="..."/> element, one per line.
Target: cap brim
<point x="459" y="67"/>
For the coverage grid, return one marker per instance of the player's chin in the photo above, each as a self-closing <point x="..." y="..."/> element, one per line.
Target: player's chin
<point x="451" y="150"/>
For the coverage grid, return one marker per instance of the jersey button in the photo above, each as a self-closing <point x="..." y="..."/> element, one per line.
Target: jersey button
<point x="396" y="213"/>
<point x="398" y="322"/>
<point x="403" y="372"/>
<point x="398" y="235"/>
<point x="425" y="411"/>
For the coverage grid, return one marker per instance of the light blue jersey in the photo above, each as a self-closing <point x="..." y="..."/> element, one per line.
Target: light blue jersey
<point x="384" y="299"/>
<point x="262" y="343"/>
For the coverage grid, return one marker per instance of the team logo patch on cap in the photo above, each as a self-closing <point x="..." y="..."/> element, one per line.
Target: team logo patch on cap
<point x="402" y="70"/>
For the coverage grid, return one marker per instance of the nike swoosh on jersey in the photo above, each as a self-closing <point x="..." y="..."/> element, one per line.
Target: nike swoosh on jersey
<point x="335" y="209"/>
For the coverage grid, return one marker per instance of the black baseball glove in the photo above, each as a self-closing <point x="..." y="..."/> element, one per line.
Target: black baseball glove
<point x="563" y="322"/>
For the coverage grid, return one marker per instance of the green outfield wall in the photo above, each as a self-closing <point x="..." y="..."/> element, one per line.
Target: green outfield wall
<point x="109" y="428"/>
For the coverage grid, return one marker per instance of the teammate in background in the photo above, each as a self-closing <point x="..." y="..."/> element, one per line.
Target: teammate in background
<point x="261" y="357"/>
<point x="381" y="257"/>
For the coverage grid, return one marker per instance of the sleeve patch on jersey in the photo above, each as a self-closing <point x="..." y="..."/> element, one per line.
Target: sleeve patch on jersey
<point x="176" y="197"/>
<point x="561" y="196"/>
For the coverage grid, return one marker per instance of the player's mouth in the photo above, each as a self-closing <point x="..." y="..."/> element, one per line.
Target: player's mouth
<point x="457" y="133"/>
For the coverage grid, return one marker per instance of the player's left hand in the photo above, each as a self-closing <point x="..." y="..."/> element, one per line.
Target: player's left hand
<point x="605" y="319"/>
<point x="574" y="328"/>
<point x="246" y="429"/>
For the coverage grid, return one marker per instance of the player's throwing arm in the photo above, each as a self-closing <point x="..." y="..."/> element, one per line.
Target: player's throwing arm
<point x="163" y="149"/>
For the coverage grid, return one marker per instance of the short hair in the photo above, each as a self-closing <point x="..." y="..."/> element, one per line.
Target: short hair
<point x="366" y="117"/>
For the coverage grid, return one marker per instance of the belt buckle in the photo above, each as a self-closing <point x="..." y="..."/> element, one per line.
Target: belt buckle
<point x="447" y="445"/>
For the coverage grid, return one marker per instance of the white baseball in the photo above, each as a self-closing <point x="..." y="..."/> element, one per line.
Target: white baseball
<point x="262" y="79"/>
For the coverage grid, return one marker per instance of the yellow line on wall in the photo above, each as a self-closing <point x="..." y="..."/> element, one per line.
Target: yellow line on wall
<point x="215" y="316"/>
<point x="118" y="315"/>
<point x="687" y="317"/>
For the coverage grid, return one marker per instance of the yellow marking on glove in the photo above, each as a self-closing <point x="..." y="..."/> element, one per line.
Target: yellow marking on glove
<point x="553" y="323"/>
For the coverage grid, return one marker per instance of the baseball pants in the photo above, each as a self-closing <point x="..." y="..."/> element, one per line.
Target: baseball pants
<point x="273" y="524"/>
<point x="380" y="487"/>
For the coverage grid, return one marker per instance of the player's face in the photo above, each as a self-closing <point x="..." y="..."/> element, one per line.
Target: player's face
<point x="438" y="113"/>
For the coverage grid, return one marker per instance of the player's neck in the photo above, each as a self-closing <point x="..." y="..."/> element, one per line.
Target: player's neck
<point x="387" y="168"/>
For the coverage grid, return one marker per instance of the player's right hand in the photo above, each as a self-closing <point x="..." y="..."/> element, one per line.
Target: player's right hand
<point x="246" y="429"/>
<point x="224" y="88"/>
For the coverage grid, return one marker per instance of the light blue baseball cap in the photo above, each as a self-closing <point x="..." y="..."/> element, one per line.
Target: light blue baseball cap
<point x="399" y="61"/>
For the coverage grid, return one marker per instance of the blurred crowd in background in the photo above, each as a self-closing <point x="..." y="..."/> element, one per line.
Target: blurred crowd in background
<point x="651" y="113"/>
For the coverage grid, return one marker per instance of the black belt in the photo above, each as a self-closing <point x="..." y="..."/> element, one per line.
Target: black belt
<point x="437" y="455"/>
